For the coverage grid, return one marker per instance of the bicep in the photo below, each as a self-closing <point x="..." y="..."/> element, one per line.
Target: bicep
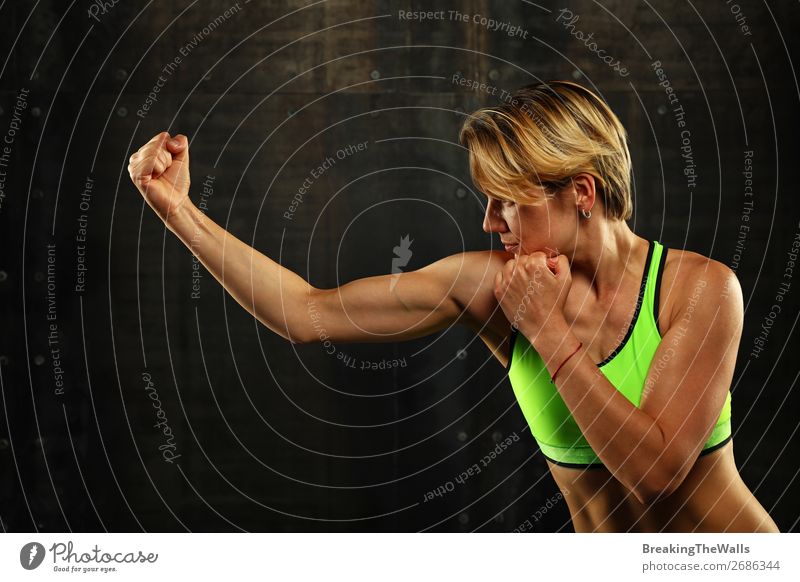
<point x="389" y="308"/>
<point x="691" y="372"/>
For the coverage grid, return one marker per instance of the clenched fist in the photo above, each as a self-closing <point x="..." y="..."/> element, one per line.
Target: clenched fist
<point x="160" y="171"/>
<point x="532" y="290"/>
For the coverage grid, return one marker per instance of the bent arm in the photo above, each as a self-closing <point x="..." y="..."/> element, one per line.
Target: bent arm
<point x="651" y="448"/>
<point x="383" y="308"/>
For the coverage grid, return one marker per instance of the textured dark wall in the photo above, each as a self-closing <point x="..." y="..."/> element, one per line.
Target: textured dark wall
<point x="276" y="437"/>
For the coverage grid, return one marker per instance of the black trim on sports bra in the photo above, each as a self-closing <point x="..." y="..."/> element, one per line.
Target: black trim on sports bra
<point x="575" y="465"/>
<point x="512" y="337"/>
<point x="639" y="303"/>
<point x="601" y="465"/>
<point x="661" y="264"/>
<point x="716" y="446"/>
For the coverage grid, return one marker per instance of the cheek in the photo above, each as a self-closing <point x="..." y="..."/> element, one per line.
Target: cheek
<point x="512" y="218"/>
<point x="535" y="227"/>
<point x="530" y="223"/>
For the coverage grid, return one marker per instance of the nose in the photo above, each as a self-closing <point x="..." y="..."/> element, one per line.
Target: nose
<point x="492" y="218"/>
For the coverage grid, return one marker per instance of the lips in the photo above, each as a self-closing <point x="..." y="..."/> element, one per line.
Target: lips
<point x="510" y="248"/>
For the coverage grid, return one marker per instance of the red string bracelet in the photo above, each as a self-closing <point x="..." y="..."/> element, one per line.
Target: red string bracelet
<point x="553" y="379"/>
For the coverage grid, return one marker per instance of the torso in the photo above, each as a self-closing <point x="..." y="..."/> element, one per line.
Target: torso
<point x="713" y="497"/>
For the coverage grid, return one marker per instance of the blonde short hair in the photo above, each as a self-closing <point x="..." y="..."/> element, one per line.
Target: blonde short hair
<point x="545" y="134"/>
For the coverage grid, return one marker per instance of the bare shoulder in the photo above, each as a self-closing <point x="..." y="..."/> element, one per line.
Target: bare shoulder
<point x="689" y="279"/>
<point x="464" y="281"/>
<point x="482" y="265"/>
<point x="473" y="290"/>
<point x="471" y="275"/>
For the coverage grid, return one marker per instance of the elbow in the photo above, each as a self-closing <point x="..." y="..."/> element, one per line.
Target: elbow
<point x="298" y="330"/>
<point x="657" y="486"/>
<point x="297" y="335"/>
<point x="648" y="495"/>
<point x="299" y="339"/>
<point x="292" y="334"/>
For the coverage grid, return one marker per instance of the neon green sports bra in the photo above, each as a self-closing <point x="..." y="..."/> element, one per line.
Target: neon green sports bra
<point x="551" y="422"/>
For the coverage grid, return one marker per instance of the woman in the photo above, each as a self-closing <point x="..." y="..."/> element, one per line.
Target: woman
<point x="639" y="441"/>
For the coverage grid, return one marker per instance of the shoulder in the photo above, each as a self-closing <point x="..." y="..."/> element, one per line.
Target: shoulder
<point x="472" y="268"/>
<point x="465" y="276"/>
<point x="696" y="285"/>
<point x="470" y="277"/>
<point x="488" y="259"/>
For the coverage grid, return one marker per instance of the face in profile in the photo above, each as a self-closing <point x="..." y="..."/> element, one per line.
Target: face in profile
<point x="527" y="228"/>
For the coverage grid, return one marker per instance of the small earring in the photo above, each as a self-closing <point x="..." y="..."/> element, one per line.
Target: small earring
<point x="586" y="213"/>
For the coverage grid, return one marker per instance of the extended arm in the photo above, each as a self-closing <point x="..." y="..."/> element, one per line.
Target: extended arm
<point x="374" y="309"/>
<point x="383" y="308"/>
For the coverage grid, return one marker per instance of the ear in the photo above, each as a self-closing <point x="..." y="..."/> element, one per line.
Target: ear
<point x="584" y="187"/>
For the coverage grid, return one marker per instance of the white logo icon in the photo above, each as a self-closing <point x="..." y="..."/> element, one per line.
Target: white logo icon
<point x="402" y="256"/>
<point x="31" y="555"/>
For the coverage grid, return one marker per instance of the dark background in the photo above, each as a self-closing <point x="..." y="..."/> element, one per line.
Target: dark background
<point x="279" y="437"/>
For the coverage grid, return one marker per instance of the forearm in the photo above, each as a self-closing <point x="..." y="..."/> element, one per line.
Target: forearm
<point x="273" y="294"/>
<point x="627" y="439"/>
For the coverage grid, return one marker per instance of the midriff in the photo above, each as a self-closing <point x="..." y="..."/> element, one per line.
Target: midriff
<point x="712" y="498"/>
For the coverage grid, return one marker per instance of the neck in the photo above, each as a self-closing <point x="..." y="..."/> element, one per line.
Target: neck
<point x="605" y="252"/>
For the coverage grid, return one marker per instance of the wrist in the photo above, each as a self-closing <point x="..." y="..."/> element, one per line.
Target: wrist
<point x="182" y="218"/>
<point x="554" y="342"/>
